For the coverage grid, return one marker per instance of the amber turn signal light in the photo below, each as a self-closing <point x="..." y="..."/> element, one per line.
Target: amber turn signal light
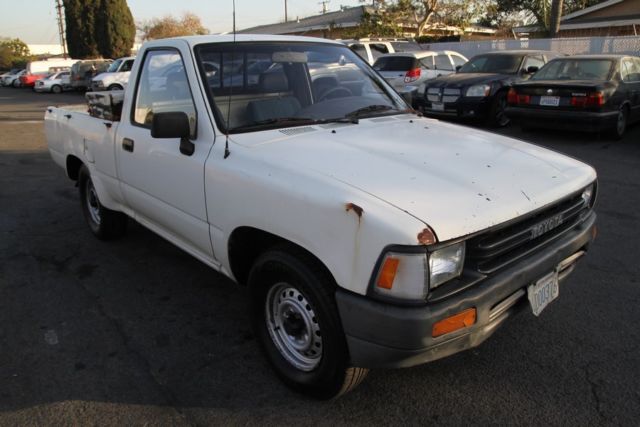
<point x="388" y="273"/>
<point x="453" y="323"/>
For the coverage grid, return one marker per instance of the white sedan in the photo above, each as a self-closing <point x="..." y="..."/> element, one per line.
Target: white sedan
<point x="56" y="82"/>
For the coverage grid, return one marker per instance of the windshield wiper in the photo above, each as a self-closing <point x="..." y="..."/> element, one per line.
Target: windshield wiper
<point x="369" y="109"/>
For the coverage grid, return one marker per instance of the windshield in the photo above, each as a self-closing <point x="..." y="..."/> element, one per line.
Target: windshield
<point x="254" y="86"/>
<point x="114" y="67"/>
<point x="500" y="64"/>
<point x="575" y="69"/>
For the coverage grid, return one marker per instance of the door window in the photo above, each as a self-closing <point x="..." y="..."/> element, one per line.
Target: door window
<point x="127" y="66"/>
<point x="163" y="87"/>
<point x="443" y="63"/>
<point x="427" y="62"/>
<point x="378" y="49"/>
<point x="360" y="50"/>
<point x="533" y="61"/>
<point x="630" y="71"/>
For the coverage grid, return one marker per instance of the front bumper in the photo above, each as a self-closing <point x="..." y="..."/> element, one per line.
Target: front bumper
<point x="558" y="119"/>
<point x="381" y="335"/>
<point x="463" y="108"/>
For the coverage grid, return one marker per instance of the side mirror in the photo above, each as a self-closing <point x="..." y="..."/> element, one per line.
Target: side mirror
<point x="532" y="69"/>
<point x="458" y="68"/>
<point x="173" y="125"/>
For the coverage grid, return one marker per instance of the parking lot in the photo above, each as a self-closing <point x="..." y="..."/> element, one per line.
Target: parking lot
<point x="137" y="332"/>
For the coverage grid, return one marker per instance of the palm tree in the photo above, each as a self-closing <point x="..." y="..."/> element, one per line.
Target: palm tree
<point x="554" y="19"/>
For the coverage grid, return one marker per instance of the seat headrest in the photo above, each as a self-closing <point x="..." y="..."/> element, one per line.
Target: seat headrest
<point x="274" y="82"/>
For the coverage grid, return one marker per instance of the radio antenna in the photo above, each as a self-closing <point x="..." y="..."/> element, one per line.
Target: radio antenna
<point x="233" y="51"/>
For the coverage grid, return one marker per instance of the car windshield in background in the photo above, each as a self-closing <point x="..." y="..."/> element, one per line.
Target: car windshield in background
<point x="270" y="85"/>
<point x="575" y="69"/>
<point x="501" y="64"/>
<point x="114" y="66"/>
<point x="394" y="63"/>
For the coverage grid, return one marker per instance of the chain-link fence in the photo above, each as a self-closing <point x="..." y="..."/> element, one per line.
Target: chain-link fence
<point x="628" y="45"/>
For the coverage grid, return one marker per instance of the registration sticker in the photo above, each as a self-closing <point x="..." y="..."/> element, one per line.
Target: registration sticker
<point x="542" y="292"/>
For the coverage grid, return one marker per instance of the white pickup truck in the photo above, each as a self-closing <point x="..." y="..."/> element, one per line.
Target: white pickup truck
<point x="370" y="237"/>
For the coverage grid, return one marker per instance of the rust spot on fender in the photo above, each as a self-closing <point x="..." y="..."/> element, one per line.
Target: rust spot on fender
<point x="353" y="207"/>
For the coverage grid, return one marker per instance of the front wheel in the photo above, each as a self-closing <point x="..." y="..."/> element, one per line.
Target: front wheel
<point x="16" y="83"/>
<point x="115" y="87"/>
<point x="497" y="115"/>
<point x="56" y="89"/>
<point x="296" y="321"/>
<point x="104" y="223"/>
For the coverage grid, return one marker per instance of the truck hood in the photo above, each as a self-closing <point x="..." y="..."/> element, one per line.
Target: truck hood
<point x="456" y="179"/>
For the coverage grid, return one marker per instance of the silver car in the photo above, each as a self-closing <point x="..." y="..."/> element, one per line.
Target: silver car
<point x="407" y="72"/>
<point x="56" y="82"/>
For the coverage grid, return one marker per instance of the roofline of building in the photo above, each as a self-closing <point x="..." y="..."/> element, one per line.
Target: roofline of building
<point x="581" y="25"/>
<point x="590" y="9"/>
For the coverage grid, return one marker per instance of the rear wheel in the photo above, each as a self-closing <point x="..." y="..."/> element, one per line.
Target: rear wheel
<point x="56" y="89"/>
<point x="104" y="223"/>
<point x="296" y="321"/>
<point x="621" y="123"/>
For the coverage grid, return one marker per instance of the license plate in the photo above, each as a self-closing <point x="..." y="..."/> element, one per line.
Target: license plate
<point x="437" y="106"/>
<point x="550" y="101"/>
<point x="542" y="292"/>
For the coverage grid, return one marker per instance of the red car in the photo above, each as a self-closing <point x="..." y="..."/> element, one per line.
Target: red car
<point x="29" y="80"/>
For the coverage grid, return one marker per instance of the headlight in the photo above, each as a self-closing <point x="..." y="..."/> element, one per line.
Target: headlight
<point x="445" y="264"/>
<point x="98" y="83"/>
<point x="588" y="195"/>
<point x="478" y="91"/>
<point x="409" y="276"/>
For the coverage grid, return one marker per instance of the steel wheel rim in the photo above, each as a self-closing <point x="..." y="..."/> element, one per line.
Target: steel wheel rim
<point x="293" y="327"/>
<point x="93" y="203"/>
<point x="622" y="122"/>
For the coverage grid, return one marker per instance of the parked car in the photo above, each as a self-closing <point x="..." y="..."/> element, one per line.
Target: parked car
<point x="50" y="65"/>
<point x="8" y="73"/>
<point x="407" y="72"/>
<point x="13" y="79"/>
<point x="82" y="72"/>
<point x="592" y="93"/>
<point x="29" y="79"/>
<point x="367" y="236"/>
<point x="371" y="49"/>
<point x="479" y="89"/>
<point x="116" y="76"/>
<point x="56" y="83"/>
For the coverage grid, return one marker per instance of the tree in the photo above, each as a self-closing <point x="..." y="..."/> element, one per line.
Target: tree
<point x="13" y="53"/>
<point x="115" y="27"/>
<point x="556" y="15"/>
<point x="168" y="26"/>
<point x="80" y="20"/>
<point x="536" y="11"/>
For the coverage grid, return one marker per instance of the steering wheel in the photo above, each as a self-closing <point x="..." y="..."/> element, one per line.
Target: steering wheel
<point x="334" y="91"/>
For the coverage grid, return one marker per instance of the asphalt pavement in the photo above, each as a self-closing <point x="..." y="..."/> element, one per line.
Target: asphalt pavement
<point x="138" y="332"/>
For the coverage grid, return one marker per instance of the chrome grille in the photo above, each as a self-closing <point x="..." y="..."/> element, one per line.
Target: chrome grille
<point x="496" y="249"/>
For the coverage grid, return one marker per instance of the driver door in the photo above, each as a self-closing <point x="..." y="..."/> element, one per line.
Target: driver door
<point x="164" y="187"/>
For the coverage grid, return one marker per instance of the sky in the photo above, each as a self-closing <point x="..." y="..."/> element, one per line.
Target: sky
<point x="38" y="24"/>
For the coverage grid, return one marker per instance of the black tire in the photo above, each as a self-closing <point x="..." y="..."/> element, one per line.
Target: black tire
<point x="286" y="270"/>
<point x="16" y="83"/>
<point x="497" y="114"/>
<point x="56" y="89"/>
<point x="104" y="223"/>
<point x="622" y="120"/>
<point x="115" y="87"/>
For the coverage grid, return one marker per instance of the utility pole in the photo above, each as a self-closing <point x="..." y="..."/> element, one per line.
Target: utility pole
<point x="285" y="11"/>
<point x="63" y="41"/>
<point x="324" y="5"/>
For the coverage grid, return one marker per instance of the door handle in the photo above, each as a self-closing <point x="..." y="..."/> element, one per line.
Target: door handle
<point x="127" y="144"/>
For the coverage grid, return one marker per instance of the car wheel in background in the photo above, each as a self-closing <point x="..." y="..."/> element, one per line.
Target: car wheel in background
<point x="621" y="123"/>
<point x="296" y="322"/>
<point x="115" y="87"/>
<point x="56" y="89"/>
<point x="497" y="114"/>
<point x="16" y="83"/>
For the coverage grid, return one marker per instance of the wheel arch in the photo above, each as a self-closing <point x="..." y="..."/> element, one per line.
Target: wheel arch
<point x="73" y="166"/>
<point x="246" y="244"/>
